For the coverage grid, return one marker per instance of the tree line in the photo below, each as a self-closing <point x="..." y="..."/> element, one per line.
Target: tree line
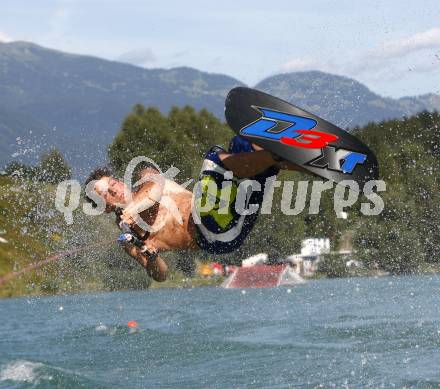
<point x="52" y="169"/>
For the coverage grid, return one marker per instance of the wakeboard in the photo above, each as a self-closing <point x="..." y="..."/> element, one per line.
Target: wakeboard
<point x="300" y="137"/>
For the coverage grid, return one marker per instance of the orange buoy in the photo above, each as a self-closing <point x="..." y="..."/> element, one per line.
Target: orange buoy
<point x="132" y="324"/>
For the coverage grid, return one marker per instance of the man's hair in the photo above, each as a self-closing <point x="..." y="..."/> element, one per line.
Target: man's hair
<point x="97" y="174"/>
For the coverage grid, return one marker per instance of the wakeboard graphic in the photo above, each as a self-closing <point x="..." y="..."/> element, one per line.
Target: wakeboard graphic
<point x="300" y="137"/>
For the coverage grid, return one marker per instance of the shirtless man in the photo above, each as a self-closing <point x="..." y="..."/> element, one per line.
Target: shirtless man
<point x="219" y="230"/>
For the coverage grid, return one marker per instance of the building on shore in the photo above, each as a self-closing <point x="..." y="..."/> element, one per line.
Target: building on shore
<point x="312" y="249"/>
<point x="258" y="271"/>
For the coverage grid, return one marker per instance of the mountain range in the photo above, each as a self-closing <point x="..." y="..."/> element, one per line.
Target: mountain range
<point x="77" y="103"/>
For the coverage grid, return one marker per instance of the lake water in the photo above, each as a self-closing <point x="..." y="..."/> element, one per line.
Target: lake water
<point x="358" y="332"/>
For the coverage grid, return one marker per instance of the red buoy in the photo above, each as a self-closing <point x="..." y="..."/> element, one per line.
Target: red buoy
<point x="132" y="324"/>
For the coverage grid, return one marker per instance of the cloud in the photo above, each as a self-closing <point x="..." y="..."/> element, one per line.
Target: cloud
<point x="426" y="66"/>
<point x="298" y="65"/>
<point x="389" y="54"/>
<point x="383" y="62"/>
<point x="306" y="64"/>
<point x="5" y="37"/>
<point x="392" y="59"/>
<point x="422" y="66"/>
<point x="429" y="39"/>
<point x="141" y="57"/>
<point x="59" y="23"/>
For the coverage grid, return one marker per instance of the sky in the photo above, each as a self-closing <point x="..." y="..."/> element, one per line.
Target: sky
<point x="391" y="46"/>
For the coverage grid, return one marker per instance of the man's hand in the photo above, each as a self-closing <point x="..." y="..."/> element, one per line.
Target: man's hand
<point x="132" y="235"/>
<point x="150" y="250"/>
<point x="130" y="221"/>
<point x="127" y="218"/>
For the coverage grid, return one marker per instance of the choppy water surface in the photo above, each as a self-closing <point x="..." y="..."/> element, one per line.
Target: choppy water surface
<point x="349" y="332"/>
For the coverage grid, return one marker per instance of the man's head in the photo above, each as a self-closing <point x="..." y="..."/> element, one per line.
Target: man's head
<point x="107" y="187"/>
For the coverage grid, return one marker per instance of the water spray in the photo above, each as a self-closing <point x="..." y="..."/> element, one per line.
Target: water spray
<point x="53" y="258"/>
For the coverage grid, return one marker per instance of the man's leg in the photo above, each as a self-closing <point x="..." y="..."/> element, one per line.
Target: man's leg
<point x="247" y="164"/>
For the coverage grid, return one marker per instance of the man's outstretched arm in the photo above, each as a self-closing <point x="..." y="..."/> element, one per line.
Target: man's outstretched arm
<point x="157" y="269"/>
<point x="145" y="201"/>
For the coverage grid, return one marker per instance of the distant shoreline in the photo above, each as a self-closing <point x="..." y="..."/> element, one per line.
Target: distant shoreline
<point x="179" y="281"/>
